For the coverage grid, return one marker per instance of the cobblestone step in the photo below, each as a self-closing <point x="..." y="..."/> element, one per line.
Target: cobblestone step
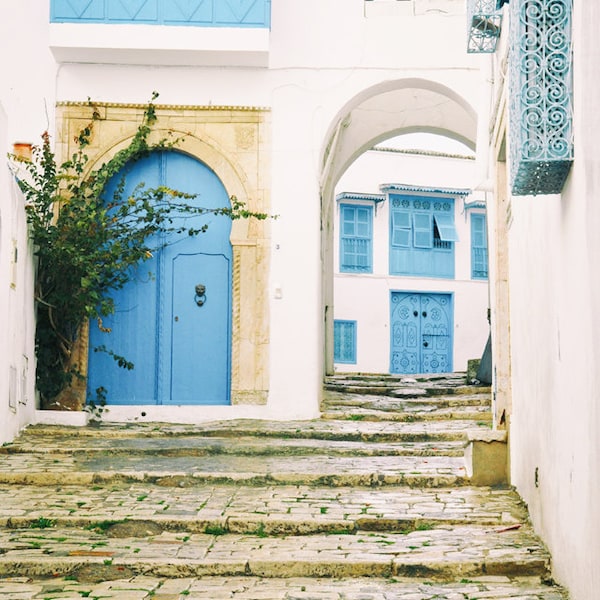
<point x="446" y="553"/>
<point x="435" y="384"/>
<point x="396" y="404"/>
<point x="277" y="509"/>
<point x="50" y="469"/>
<point x="317" y="429"/>
<point x="371" y="502"/>
<point x="479" y="413"/>
<point x="144" y="587"/>
<point x="213" y="446"/>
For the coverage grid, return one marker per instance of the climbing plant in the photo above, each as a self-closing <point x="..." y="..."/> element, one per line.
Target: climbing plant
<point x="86" y="244"/>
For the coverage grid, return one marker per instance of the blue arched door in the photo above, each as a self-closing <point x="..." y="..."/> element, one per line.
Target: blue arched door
<point x="173" y="319"/>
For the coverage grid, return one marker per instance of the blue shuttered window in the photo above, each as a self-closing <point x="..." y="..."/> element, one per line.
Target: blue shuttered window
<point x="422" y="236"/>
<point x="356" y="239"/>
<point x="479" y="247"/>
<point x="344" y="342"/>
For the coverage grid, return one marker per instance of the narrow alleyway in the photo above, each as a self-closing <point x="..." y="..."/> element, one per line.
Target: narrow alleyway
<point x="370" y="502"/>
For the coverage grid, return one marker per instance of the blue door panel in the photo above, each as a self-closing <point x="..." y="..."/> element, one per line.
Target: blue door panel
<point x="199" y="330"/>
<point x="421" y="333"/>
<point x="180" y="350"/>
<point x="136" y="312"/>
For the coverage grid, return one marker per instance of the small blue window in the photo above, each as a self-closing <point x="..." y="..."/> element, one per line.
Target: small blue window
<point x="356" y="239"/>
<point x="479" y="247"/>
<point x="344" y="342"/>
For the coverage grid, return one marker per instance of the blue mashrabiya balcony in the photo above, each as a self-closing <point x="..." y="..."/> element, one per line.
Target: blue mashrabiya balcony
<point x="541" y="96"/>
<point x="234" y="32"/>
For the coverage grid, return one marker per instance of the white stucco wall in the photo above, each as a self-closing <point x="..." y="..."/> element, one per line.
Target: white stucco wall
<point x="554" y="298"/>
<point x="365" y="298"/>
<point x="322" y="55"/>
<point x="17" y="360"/>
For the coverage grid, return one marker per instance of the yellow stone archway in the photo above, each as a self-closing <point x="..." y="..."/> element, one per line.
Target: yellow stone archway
<point x="233" y="142"/>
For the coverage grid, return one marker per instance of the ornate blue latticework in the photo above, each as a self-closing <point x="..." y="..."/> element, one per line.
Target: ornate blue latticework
<point x="484" y="23"/>
<point x="541" y="96"/>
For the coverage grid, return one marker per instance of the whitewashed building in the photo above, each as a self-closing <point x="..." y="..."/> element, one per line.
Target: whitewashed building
<point x="410" y="286"/>
<point x="544" y="167"/>
<point x="273" y="113"/>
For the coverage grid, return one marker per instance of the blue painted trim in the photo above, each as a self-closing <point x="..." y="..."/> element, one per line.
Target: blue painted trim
<point x="210" y="13"/>
<point x="377" y="198"/>
<point x="391" y="187"/>
<point x="344" y="342"/>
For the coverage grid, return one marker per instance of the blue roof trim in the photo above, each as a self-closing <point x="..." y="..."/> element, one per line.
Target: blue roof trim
<point x="360" y="196"/>
<point x="475" y="204"/>
<point x="391" y="187"/>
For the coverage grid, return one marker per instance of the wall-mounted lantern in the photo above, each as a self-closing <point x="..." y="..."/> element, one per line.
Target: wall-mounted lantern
<point x="485" y="24"/>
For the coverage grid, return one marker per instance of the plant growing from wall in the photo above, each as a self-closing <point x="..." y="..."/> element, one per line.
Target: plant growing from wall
<point x="86" y="245"/>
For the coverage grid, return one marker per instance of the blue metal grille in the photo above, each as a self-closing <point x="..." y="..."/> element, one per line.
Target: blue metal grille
<point x="484" y="22"/>
<point x="541" y="96"/>
<point x="344" y="342"/>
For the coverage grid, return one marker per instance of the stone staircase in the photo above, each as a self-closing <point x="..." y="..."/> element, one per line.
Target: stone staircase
<point x="372" y="501"/>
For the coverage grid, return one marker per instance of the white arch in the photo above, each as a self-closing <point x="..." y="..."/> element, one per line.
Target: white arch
<point x="390" y="108"/>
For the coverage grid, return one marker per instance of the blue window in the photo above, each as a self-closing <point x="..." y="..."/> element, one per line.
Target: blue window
<point x="356" y="238"/>
<point x="422" y="236"/>
<point x="344" y="342"/>
<point x="479" y="247"/>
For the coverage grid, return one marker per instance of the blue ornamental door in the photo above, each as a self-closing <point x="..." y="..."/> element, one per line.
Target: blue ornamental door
<point x="173" y="319"/>
<point x="421" y="333"/>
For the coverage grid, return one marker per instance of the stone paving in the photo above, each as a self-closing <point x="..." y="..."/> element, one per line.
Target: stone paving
<point x="366" y="503"/>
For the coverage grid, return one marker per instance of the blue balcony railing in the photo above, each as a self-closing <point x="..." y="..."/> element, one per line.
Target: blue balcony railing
<point x="541" y="95"/>
<point x="199" y="13"/>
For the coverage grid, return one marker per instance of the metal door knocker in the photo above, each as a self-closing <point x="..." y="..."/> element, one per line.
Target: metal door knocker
<point x="200" y="297"/>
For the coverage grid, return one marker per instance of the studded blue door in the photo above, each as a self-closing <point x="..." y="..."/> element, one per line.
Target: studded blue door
<point x="173" y="319"/>
<point x="421" y="333"/>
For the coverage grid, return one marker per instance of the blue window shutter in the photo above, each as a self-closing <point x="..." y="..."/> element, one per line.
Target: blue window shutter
<point x="401" y="228"/>
<point x="423" y="230"/>
<point x="344" y="342"/>
<point x="356" y="239"/>
<point x="445" y="225"/>
<point x="479" y="249"/>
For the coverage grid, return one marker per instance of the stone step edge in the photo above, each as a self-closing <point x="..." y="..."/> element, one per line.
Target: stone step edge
<point x="494" y="587"/>
<point x="357" y="449"/>
<point x="371" y="479"/>
<point x="449" y="435"/>
<point x="400" y="391"/>
<point x="444" y="570"/>
<point x="377" y="416"/>
<point x="258" y="524"/>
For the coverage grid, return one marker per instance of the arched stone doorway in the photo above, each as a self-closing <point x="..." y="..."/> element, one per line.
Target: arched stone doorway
<point x="382" y="111"/>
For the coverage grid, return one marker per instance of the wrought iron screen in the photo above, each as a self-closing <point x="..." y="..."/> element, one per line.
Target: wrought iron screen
<point x="541" y="95"/>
